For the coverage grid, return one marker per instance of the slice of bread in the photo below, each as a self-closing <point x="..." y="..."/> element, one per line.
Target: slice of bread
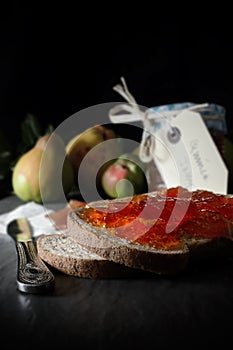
<point x="119" y="250"/>
<point x="129" y="252"/>
<point x="67" y="256"/>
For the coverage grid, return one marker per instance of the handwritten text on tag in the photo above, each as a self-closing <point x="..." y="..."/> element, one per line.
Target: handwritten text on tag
<point x="191" y="158"/>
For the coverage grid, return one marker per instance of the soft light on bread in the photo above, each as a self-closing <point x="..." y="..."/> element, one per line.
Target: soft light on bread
<point x="67" y="256"/>
<point x="205" y="231"/>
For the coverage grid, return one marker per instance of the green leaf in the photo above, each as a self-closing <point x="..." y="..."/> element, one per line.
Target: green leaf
<point x="31" y="130"/>
<point x="49" y="129"/>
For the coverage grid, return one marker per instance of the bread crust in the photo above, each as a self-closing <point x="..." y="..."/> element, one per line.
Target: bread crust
<point x="99" y="241"/>
<point x="67" y="256"/>
<point x="123" y="252"/>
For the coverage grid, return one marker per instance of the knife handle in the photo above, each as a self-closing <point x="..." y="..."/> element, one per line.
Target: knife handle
<point x="33" y="276"/>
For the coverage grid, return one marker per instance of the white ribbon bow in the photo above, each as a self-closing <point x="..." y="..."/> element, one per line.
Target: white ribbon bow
<point x="134" y="113"/>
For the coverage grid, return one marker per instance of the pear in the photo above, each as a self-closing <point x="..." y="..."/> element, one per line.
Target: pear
<point x="124" y="177"/>
<point x="78" y="147"/>
<point x="44" y="173"/>
<point x="95" y="147"/>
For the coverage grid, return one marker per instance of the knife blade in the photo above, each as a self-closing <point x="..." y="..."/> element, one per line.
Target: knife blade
<point x="33" y="275"/>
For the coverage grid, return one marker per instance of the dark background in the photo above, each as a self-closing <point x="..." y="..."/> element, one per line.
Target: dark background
<point x="57" y="60"/>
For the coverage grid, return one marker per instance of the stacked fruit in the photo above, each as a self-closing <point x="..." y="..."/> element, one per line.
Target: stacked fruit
<point x="50" y="167"/>
<point x="35" y="175"/>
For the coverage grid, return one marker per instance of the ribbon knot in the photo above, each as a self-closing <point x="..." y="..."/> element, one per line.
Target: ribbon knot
<point x="132" y="108"/>
<point x="148" y="117"/>
<point x="134" y="113"/>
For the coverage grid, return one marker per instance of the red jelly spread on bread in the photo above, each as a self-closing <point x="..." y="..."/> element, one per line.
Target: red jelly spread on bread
<point x="165" y="219"/>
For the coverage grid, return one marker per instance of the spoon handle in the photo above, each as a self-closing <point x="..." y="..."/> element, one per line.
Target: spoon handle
<point x="33" y="276"/>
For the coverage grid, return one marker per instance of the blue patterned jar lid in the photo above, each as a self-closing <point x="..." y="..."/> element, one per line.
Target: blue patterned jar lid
<point x="212" y="114"/>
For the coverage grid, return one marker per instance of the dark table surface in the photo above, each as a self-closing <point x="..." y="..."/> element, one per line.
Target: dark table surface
<point x="189" y="310"/>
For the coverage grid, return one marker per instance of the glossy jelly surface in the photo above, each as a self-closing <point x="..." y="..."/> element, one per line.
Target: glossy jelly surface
<point x="166" y="219"/>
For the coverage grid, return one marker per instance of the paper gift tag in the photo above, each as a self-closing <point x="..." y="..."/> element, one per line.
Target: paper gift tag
<point x="186" y="154"/>
<point x="181" y="145"/>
